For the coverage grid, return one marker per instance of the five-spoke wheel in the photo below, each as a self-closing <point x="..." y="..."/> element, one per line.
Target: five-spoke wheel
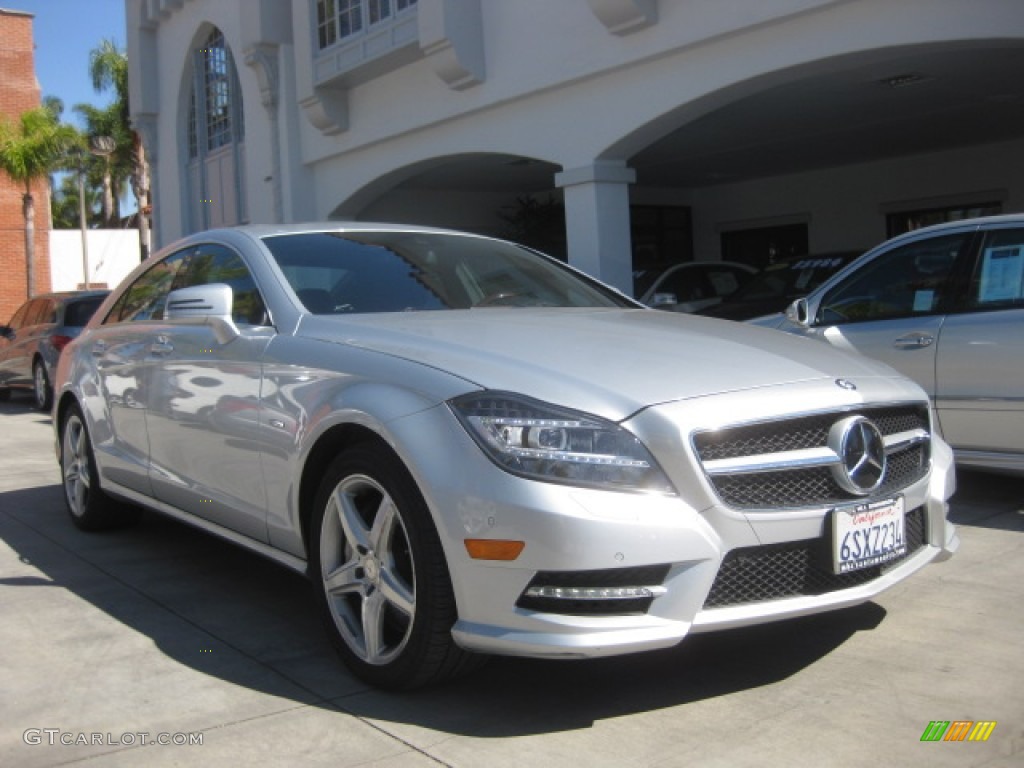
<point x="380" y="573"/>
<point x="91" y="509"/>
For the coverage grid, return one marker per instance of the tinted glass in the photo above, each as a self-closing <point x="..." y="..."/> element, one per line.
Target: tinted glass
<point x="336" y="273"/>
<point x="37" y="311"/>
<point x="911" y="280"/>
<point x="217" y="264"/>
<point x="791" y="279"/>
<point x="998" y="279"/>
<point x="146" y="297"/>
<point x="19" y="317"/>
<point x="77" y="313"/>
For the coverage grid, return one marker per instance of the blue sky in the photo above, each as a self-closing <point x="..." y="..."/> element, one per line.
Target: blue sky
<point x="65" y="31"/>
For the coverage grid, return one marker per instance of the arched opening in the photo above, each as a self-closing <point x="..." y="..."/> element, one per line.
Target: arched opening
<point x="214" y="137"/>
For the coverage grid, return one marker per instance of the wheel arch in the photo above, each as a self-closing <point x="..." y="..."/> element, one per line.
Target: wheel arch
<point x="332" y="442"/>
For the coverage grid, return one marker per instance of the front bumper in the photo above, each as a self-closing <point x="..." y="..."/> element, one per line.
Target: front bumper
<point x="575" y="531"/>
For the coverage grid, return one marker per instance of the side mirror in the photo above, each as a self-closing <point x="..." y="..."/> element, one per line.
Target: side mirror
<point x="209" y="304"/>
<point x="6" y="331"/>
<point x="663" y="300"/>
<point x="799" y="313"/>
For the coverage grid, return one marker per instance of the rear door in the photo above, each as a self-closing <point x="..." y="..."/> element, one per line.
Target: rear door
<point x="980" y="362"/>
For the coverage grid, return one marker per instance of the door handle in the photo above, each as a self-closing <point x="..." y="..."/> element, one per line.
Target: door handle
<point x="914" y="341"/>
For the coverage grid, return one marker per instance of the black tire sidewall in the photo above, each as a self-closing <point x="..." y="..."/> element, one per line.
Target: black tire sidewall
<point x="435" y="612"/>
<point x="42" y="403"/>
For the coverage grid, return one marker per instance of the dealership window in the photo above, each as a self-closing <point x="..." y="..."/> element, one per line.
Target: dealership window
<point x="215" y="137"/>
<point x="898" y="222"/>
<point x="340" y="19"/>
<point x="761" y="246"/>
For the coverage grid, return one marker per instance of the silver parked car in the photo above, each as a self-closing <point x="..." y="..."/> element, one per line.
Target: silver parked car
<point x="32" y="340"/>
<point x="472" y="448"/>
<point x="945" y="306"/>
<point x="693" y="285"/>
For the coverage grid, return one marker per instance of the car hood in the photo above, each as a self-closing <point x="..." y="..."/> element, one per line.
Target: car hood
<point x="610" y="362"/>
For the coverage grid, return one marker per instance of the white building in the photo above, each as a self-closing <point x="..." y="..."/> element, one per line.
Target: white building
<point x="668" y="129"/>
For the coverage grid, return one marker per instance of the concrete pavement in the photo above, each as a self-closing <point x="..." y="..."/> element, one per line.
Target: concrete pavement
<point x="109" y="642"/>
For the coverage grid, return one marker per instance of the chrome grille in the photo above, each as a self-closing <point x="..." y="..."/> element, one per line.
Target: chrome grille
<point x="777" y="571"/>
<point x="792" y="484"/>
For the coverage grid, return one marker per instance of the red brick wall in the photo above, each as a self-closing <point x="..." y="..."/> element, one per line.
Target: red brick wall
<point x="19" y="91"/>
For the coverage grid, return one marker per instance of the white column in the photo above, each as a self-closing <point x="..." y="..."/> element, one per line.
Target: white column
<point x="597" y="221"/>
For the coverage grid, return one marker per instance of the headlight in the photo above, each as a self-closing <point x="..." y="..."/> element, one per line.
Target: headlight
<point x="556" y="445"/>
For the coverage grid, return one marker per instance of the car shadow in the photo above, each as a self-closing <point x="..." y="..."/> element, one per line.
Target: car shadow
<point x="23" y="402"/>
<point x="230" y="614"/>
<point x="997" y="501"/>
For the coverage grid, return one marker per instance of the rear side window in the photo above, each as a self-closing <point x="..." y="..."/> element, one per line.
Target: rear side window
<point x="998" y="280"/>
<point x="36" y="311"/>
<point x="77" y="313"/>
<point x="914" y="279"/>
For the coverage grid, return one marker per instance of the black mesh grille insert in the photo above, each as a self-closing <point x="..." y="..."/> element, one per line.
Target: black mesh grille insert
<point x="801" y="432"/>
<point x="807" y="487"/>
<point x="776" y="571"/>
<point x="813" y="487"/>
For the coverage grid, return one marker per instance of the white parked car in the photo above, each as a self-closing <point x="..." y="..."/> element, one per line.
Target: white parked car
<point x="472" y="448"/>
<point x="693" y="285"/>
<point x="945" y="306"/>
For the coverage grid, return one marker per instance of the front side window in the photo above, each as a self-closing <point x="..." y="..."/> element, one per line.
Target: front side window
<point x="145" y="299"/>
<point x="914" y="279"/>
<point x="998" y="280"/>
<point x="217" y="264"/>
<point x="355" y="272"/>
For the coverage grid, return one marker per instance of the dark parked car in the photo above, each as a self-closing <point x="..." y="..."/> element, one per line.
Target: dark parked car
<point x="774" y="287"/>
<point x="31" y="342"/>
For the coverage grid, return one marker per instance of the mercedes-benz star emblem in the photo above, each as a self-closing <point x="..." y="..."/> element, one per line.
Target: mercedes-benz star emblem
<point x="861" y="451"/>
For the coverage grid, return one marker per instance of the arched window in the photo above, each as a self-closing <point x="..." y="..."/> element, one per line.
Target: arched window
<point x="216" y="136"/>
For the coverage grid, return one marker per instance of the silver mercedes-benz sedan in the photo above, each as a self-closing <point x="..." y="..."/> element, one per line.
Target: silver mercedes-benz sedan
<point x="944" y="305"/>
<point x="472" y="448"/>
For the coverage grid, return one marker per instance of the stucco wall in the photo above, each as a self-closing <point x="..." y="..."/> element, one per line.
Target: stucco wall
<point x="113" y="253"/>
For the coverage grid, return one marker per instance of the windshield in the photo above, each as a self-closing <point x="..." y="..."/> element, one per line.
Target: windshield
<point x="348" y="272"/>
<point x="791" y="279"/>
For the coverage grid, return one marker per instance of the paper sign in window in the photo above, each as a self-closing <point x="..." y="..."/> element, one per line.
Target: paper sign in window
<point x="1002" y="274"/>
<point x="923" y="301"/>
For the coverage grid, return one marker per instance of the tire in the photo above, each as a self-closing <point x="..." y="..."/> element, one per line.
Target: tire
<point x="41" y="389"/>
<point x="380" y="576"/>
<point x="91" y="509"/>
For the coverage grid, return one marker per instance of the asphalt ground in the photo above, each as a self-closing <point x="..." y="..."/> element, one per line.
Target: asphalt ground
<point x="110" y="643"/>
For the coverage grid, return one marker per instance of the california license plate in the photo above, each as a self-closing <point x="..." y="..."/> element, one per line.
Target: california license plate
<point x="868" y="534"/>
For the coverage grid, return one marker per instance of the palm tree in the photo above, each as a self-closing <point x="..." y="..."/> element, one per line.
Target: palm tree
<point x="108" y="68"/>
<point x="115" y="169"/>
<point x="30" y="148"/>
